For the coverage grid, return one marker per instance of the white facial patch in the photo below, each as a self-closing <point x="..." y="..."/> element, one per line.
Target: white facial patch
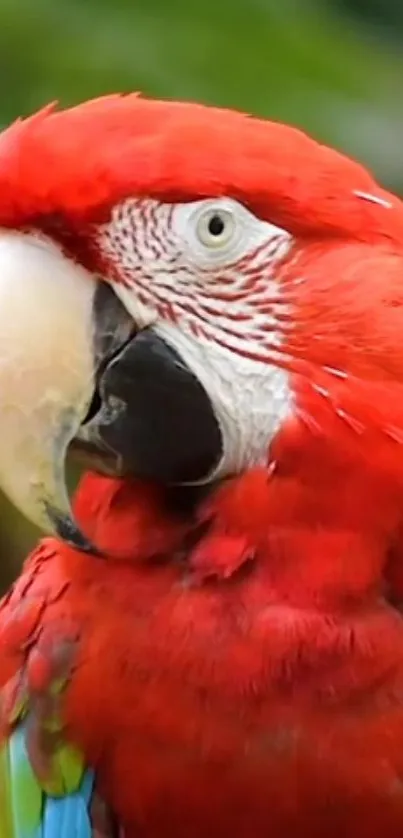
<point x="204" y="274"/>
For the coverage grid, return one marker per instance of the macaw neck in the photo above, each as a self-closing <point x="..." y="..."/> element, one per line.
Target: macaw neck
<point x="317" y="531"/>
<point x="271" y="580"/>
<point x="331" y="524"/>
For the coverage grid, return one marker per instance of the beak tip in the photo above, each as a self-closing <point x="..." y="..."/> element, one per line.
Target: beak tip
<point x="67" y="530"/>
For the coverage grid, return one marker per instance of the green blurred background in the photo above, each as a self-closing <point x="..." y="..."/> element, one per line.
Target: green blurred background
<point x="332" y="67"/>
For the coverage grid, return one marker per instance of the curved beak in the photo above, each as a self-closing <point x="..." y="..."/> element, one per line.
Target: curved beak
<point x="76" y="376"/>
<point x="155" y="419"/>
<point x="58" y="326"/>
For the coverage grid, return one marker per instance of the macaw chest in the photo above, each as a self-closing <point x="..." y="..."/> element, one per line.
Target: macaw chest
<point x="208" y="717"/>
<point x="280" y="774"/>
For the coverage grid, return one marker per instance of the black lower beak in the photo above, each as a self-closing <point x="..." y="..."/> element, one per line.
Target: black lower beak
<point x="154" y="418"/>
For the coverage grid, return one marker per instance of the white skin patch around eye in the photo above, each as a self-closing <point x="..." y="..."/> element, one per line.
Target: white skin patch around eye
<point x="216" y="233"/>
<point x="204" y="275"/>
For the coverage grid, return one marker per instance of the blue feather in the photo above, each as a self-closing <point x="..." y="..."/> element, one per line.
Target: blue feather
<point x="32" y="812"/>
<point x="68" y="817"/>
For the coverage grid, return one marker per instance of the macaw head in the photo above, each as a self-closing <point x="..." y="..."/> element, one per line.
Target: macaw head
<point x="242" y="251"/>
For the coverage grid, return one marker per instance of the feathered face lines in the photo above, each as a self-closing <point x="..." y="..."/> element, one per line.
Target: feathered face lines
<point x="208" y="267"/>
<point x="244" y="255"/>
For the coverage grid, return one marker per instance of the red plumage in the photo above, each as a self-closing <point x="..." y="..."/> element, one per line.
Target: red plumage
<point x="238" y="669"/>
<point x="263" y="697"/>
<point x="77" y="164"/>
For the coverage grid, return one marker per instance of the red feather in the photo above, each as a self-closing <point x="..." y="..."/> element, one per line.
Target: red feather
<point x="266" y="700"/>
<point x="74" y="165"/>
<point x="237" y="671"/>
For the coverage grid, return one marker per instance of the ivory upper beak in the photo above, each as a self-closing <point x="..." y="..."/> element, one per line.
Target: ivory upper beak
<point x="46" y="374"/>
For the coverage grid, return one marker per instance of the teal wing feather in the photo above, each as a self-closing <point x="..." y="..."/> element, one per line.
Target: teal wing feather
<point x="27" y="810"/>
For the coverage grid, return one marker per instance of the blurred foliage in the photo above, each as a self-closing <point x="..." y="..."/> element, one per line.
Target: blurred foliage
<point x="387" y="16"/>
<point x="332" y="67"/>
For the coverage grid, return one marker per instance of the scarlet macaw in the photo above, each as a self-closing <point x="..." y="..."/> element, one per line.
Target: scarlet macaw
<point x="233" y="666"/>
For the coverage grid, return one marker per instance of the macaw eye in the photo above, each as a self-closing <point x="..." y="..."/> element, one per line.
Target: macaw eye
<point x="215" y="227"/>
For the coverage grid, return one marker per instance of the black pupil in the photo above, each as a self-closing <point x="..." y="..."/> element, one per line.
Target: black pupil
<point x="216" y="225"/>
